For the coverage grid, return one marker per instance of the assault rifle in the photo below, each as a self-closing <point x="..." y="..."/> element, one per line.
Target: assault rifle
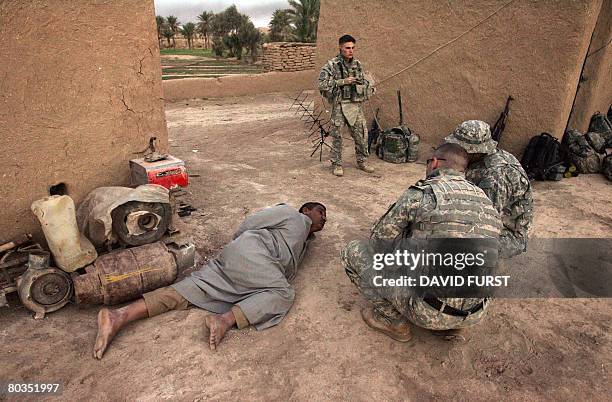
<point x="374" y="132"/>
<point x="500" y="124"/>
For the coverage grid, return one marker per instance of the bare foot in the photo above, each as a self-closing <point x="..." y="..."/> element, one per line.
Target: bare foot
<point x="108" y="325"/>
<point x="217" y="325"/>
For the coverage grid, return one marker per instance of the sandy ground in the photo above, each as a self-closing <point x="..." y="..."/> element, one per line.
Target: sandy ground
<point x="251" y="152"/>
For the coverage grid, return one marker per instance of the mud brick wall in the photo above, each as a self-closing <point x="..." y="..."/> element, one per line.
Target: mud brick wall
<point x="78" y="99"/>
<point x="288" y="56"/>
<point x="595" y="88"/>
<point x="533" y="50"/>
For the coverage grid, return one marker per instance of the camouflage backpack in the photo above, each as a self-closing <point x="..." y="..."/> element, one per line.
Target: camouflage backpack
<point x="600" y="131"/>
<point x="606" y="168"/>
<point x="580" y="153"/>
<point x="398" y="145"/>
<point x="598" y="141"/>
<point x="600" y="124"/>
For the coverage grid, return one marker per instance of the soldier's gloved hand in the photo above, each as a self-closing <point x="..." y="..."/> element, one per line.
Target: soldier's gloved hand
<point x="346" y="81"/>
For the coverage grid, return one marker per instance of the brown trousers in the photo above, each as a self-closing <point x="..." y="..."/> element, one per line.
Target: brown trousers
<point x="165" y="299"/>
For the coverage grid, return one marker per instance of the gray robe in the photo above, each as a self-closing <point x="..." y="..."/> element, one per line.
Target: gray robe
<point x="253" y="270"/>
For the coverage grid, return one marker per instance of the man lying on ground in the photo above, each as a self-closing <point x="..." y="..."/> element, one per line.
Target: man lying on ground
<point x="247" y="284"/>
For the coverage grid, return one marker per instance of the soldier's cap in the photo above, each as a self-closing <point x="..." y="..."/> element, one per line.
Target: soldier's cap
<point x="474" y="136"/>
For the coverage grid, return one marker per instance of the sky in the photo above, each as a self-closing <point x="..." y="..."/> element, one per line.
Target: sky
<point x="260" y="11"/>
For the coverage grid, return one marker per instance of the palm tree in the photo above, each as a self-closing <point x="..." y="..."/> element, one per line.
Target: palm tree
<point x="167" y="33"/>
<point x="161" y="21"/>
<point x="204" y="25"/>
<point x="188" y="31"/>
<point x="250" y="37"/>
<point x="280" y="26"/>
<point x="305" y="17"/>
<point x="173" y="24"/>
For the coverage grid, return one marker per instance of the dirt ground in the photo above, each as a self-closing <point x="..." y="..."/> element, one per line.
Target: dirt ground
<point x="250" y="152"/>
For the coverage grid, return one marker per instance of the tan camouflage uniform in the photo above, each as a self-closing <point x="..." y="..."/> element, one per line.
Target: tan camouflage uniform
<point x="443" y="205"/>
<point x="503" y="180"/>
<point x="345" y="111"/>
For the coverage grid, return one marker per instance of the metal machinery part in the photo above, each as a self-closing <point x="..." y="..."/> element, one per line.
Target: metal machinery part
<point x="13" y="264"/>
<point x="124" y="275"/>
<point x="43" y="289"/>
<point x="138" y="223"/>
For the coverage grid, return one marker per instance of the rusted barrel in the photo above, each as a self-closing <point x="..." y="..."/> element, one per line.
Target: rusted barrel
<point x="124" y="275"/>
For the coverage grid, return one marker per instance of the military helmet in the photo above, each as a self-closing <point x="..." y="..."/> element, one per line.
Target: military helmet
<point x="474" y="136"/>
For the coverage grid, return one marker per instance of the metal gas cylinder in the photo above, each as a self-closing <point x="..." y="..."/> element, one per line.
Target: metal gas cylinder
<point x="124" y="275"/>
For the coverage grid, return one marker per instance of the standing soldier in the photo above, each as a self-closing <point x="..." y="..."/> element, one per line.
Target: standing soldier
<point x="444" y="205"/>
<point x="502" y="178"/>
<point x="343" y="84"/>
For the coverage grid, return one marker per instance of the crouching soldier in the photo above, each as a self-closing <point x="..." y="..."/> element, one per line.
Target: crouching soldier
<point x="444" y="205"/>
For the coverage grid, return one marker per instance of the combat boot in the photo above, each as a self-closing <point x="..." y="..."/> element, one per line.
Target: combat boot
<point x="400" y="331"/>
<point x="365" y="167"/>
<point x="338" y="171"/>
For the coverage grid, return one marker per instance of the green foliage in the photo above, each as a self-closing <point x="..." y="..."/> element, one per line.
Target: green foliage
<point x="235" y="33"/>
<point x="173" y="25"/>
<point x="250" y="38"/>
<point x="188" y="31"/>
<point x="161" y="22"/>
<point x="167" y="33"/>
<point x="304" y="18"/>
<point x="218" y="47"/>
<point x="204" y="25"/>
<point x="190" y="52"/>
<point x="280" y="26"/>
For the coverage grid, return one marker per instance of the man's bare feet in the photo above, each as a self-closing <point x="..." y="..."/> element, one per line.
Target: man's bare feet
<point x="111" y="321"/>
<point x="108" y="325"/>
<point x="218" y="324"/>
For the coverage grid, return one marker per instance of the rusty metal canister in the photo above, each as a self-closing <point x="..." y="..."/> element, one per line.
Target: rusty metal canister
<point x="124" y="275"/>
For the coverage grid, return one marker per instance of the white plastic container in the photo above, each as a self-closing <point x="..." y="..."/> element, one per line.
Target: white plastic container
<point x="71" y="249"/>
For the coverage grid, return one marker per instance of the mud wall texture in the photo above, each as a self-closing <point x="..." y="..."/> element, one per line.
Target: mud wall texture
<point x="239" y="85"/>
<point x="288" y="56"/>
<point x="486" y="50"/>
<point x="80" y="94"/>
<point x="595" y="89"/>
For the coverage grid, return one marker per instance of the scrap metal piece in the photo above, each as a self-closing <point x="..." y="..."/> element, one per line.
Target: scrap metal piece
<point x="44" y="290"/>
<point x="124" y="275"/>
<point x="312" y="116"/>
<point x="16" y="243"/>
<point x="14" y="263"/>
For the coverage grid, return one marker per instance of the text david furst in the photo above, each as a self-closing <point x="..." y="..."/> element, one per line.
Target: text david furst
<point x="457" y="261"/>
<point x="442" y="281"/>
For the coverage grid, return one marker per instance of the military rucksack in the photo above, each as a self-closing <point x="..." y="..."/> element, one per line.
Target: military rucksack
<point x="543" y="158"/>
<point x="398" y="145"/>
<point x="597" y="141"/>
<point x="579" y="152"/>
<point x="600" y="124"/>
<point x="600" y="131"/>
<point x="606" y="167"/>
